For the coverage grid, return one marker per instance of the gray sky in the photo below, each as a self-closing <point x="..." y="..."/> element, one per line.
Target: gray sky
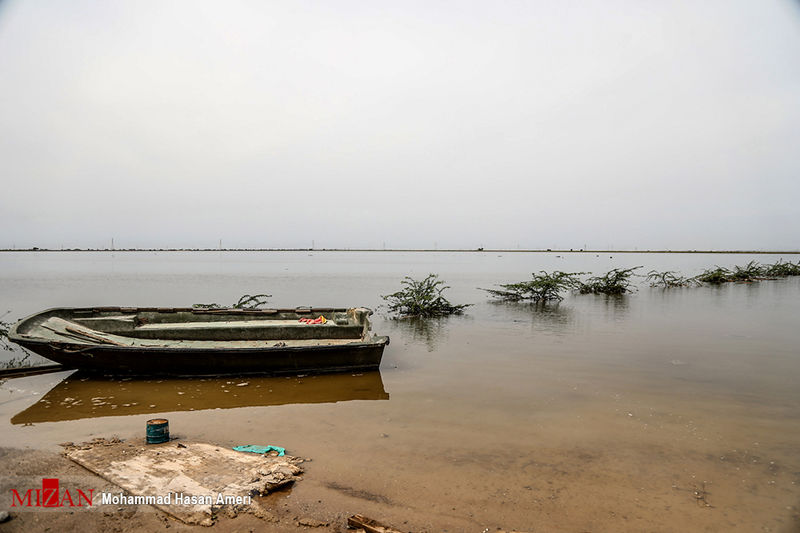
<point x="357" y="123"/>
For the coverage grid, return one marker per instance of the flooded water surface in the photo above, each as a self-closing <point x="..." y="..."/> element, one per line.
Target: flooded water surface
<point x="662" y="410"/>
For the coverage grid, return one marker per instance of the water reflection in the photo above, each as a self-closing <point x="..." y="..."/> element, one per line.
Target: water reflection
<point x="616" y="305"/>
<point x="545" y="317"/>
<point x="85" y="396"/>
<point x="431" y="332"/>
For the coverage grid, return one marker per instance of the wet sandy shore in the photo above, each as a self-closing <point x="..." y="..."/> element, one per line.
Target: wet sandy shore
<point x="618" y="464"/>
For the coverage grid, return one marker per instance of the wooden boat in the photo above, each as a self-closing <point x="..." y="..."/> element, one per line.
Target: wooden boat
<point x="192" y="342"/>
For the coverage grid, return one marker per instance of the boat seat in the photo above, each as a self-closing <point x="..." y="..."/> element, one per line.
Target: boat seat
<point x="230" y="330"/>
<point x="246" y="330"/>
<point x="221" y="324"/>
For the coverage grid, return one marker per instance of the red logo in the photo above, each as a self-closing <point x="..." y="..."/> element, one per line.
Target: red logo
<point x="50" y="496"/>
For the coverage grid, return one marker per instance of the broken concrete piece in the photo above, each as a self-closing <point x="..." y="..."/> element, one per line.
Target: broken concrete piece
<point x="194" y="480"/>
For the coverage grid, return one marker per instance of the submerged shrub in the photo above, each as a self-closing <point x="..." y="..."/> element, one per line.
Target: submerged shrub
<point x="4" y="342"/>
<point x="781" y="269"/>
<point x="750" y="272"/>
<point x="257" y="301"/>
<point x="422" y="298"/>
<point x="247" y="302"/>
<point x="615" y="281"/>
<point x="542" y="288"/>
<point x="667" y="279"/>
<point x="715" y="276"/>
<point x="21" y="361"/>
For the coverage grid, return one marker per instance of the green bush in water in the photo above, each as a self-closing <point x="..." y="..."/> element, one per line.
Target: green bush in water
<point x="542" y="288"/>
<point x="668" y="279"/>
<point x="248" y="302"/>
<point x="714" y="276"/>
<point x="422" y="298"/>
<point x="780" y="269"/>
<point x="615" y="281"/>
<point x="752" y="271"/>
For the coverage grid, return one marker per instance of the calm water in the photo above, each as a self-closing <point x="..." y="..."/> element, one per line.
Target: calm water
<point x="601" y="414"/>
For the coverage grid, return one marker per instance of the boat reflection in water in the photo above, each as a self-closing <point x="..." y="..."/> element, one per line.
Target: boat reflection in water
<point x="87" y="396"/>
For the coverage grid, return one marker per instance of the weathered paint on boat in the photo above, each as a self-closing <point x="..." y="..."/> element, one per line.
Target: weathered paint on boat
<point x="189" y="341"/>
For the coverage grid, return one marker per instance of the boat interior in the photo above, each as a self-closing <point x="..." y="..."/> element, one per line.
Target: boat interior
<point x="199" y="328"/>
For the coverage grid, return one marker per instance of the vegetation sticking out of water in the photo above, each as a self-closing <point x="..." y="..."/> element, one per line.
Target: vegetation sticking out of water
<point x="546" y="287"/>
<point x="668" y="279"/>
<point x="543" y="287"/>
<point x="615" y="281"/>
<point x="714" y="276"/>
<point x="20" y="361"/>
<point x="247" y="302"/>
<point x="752" y="271"/>
<point x="781" y="269"/>
<point x="4" y="327"/>
<point x="422" y="298"/>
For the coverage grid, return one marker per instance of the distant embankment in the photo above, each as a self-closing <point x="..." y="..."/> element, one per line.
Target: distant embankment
<point x="434" y="250"/>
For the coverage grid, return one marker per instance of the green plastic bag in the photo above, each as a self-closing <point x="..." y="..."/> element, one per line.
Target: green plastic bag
<point x="253" y="448"/>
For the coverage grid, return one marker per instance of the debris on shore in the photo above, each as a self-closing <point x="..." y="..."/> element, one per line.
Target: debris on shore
<point x="191" y="481"/>
<point x="362" y="523"/>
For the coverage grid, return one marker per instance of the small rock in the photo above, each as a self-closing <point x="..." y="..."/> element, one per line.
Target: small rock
<point x="311" y="522"/>
<point x="4" y="516"/>
<point x="245" y="384"/>
<point x="261" y="513"/>
<point x="229" y="511"/>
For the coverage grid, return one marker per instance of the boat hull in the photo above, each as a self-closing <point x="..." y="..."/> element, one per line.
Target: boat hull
<point x="214" y="361"/>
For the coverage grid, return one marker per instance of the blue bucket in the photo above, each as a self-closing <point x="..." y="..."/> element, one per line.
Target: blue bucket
<point x="157" y="431"/>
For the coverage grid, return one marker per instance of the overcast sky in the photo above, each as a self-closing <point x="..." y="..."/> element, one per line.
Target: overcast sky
<point x="406" y="124"/>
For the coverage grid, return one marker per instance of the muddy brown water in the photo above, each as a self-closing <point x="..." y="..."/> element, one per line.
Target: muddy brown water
<point x="673" y="410"/>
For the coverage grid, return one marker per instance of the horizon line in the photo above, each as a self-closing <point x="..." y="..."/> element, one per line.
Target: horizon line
<point x="434" y="250"/>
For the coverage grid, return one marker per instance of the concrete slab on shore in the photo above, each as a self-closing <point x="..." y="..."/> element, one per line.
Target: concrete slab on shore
<point x="191" y="481"/>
